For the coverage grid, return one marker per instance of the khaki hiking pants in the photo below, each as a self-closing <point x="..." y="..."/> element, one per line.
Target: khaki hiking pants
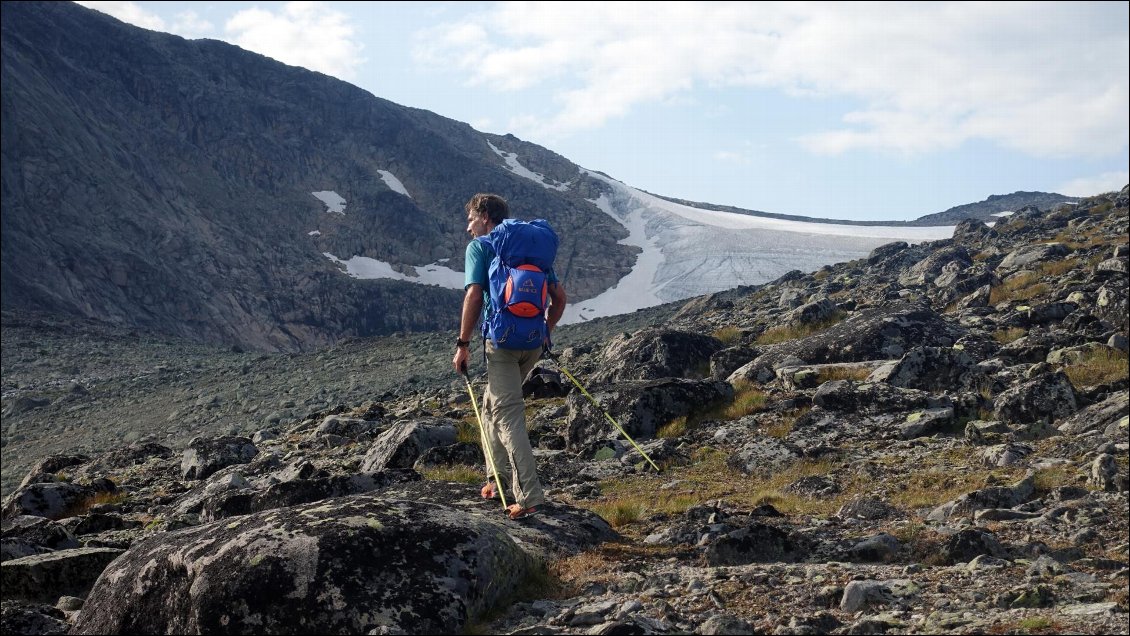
<point x="504" y="421"/>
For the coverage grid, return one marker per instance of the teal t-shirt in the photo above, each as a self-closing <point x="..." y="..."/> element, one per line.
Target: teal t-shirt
<point x="476" y="268"/>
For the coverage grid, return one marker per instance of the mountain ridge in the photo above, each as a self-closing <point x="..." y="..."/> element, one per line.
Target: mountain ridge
<point x="166" y="184"/>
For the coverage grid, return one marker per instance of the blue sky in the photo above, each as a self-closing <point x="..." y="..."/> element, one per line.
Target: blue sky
<point x="884" y="111"/>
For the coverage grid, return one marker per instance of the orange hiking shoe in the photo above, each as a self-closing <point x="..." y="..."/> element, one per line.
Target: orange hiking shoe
<point x="516" y="511"/>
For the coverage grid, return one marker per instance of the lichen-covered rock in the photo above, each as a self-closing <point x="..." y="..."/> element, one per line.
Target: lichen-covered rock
<point x="929" y="268"/>
<point x="652" y="354"/>
<point x="1046" y="398"/>
<point x="764" y="455"/>
<point x="967" y="544"/>
<point x="350" y="565"/>
<point x="726" y="361"/>
<point x="43" y="578"/>
<point x="543" y="382"/>
<point x="52" y="500"/>
<point x="52" y="464"/>
<point x="973" y="233"/>
<point x="1022" y="257"/>
<point x="756" y="543"/>
<point x="932" y="369"/>
<point x="299" y="491"/>
<point x="1113" y="304"/>
<point x="640" y="408"/>
<point x="991" y="497"/>
<point x="402" y="445"/>
<point x="347" y="426"/>
<point x="25" y="535"/>
<point x="811" y="313"/>
<point x="461" y="453"/>
<point x="205" y="456"/>
<point x="870" y="397"/>
<point x="31" y="619"/>
<point x="1109" y="416"/>
<point x="881" y="333"/>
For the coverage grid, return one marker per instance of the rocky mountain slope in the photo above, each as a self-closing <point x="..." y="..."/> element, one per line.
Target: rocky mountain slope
<point x="992" y="208"/>
<point x="171" y="185"/>
<point x="932" y="439"/>
<point x="988" y="211"/>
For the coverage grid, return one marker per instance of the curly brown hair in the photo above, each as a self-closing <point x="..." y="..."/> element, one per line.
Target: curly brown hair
<point x="492" y="205"/>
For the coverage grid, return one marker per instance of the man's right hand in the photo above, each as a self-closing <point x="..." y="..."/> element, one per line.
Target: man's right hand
<point x="461" y="360"/>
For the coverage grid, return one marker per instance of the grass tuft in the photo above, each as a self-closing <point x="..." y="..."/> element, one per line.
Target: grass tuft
<point x="467" y="430"/>
<point x="1098" y="367"/>
<point x="1005" y="336"/>
<point x="857" y="374"/>
<point x="83" y="506"/>
<point x="1023" y="286"/>
<point x="785" y="333"/>
<point x="620" y="512"/>
<point x="458" y="473"/>
<point x="674" y="428"/>
<point x="728" y="335"/>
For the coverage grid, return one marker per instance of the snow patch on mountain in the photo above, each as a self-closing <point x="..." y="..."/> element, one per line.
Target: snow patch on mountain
<point x="434" y="274"/>
<point x="333" y="201"/>
<point x="511" y="159"/>
<point x="393" y="183"/>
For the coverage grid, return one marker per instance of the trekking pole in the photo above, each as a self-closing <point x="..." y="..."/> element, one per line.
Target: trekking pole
<point x="484" y="441"/>
<point x="557" y="361"/>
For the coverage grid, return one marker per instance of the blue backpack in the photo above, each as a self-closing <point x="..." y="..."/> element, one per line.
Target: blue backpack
<point x="523" y="256"/>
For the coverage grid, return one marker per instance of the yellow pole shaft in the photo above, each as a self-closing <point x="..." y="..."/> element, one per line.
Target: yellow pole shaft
<point x="606" y="415"/>
<point x="486" y="443"/>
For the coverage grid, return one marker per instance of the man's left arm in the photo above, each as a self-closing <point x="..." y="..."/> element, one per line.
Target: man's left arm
<point x="557" y="300"/>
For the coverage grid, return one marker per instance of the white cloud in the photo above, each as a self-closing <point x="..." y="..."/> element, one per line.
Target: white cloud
<point x="128" y="12"/>
<point x="730" y="156"/>
<point x="1099" y="184"/>
<point x="190" y="25"/>
<point x="307" y="34"/>
<point x="1048" y="79"/>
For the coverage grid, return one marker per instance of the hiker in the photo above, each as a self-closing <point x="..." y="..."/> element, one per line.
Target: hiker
<point x="509" y="359"/>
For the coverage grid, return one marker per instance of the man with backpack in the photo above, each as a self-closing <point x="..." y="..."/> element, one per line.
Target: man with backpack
<point x="509" y="281"/>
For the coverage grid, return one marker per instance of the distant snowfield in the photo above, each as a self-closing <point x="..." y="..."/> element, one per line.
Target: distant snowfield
<point x="689" y="251"/>
<point x="685" y="251"/>
<point x="434" y="274"/>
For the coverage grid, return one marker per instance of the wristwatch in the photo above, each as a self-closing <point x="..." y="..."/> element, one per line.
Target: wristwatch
<point x="462" y="343"/>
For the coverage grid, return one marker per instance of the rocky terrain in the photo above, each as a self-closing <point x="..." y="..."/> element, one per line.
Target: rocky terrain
<point x="933" y="439"/>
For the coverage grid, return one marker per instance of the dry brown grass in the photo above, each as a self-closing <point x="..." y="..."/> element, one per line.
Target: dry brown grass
<point x="457" y="473"/>
<point x="786" y="333"/>
<point x="672" y="429"/>
<point x="747" y="399"/>
<point x="83" y="506"/>
<point x="604" y="564"/>
<point x="781" y="426"/>
<point x="467" y="430"/>
<point x="857" y="374"/>
<point x="1098" y="367"/>
<point x="1023" y="286"/>
<point x="628" y="499"/>
<point x="1059" y="268"/>
<point x="1012" y="334"/>
<point x="933" y="485"/>
<point x="728" y="335"/>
